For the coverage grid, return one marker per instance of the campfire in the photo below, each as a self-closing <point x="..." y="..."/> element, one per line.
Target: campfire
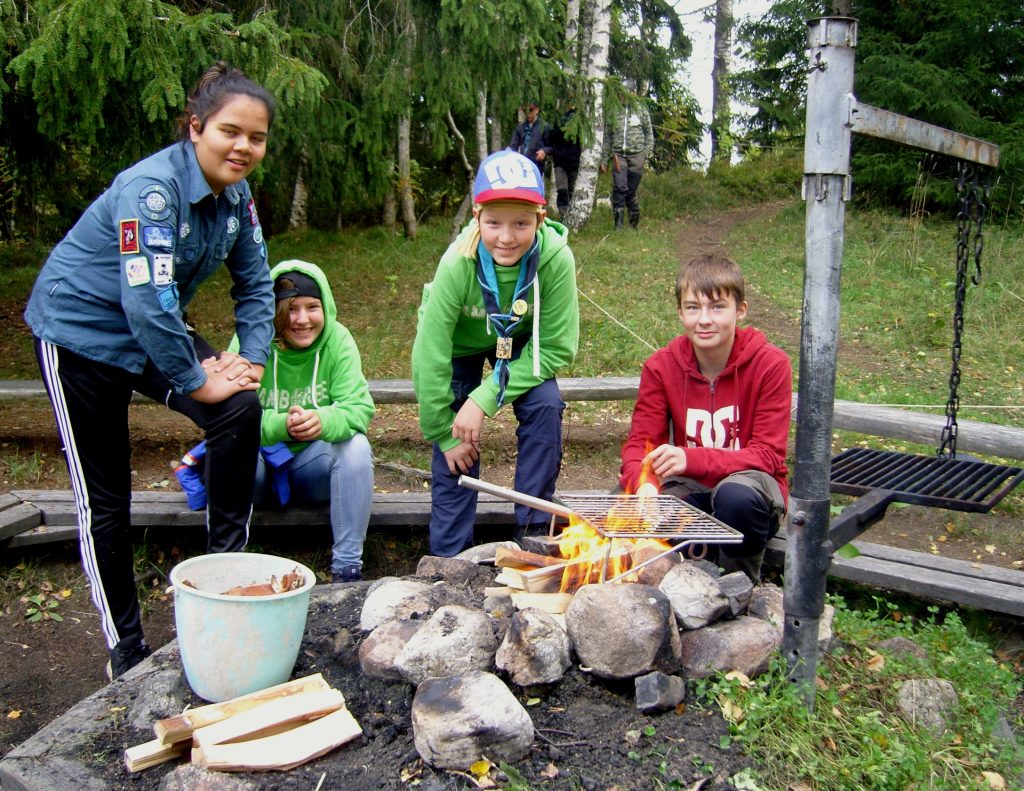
<point x="607" y="539"/>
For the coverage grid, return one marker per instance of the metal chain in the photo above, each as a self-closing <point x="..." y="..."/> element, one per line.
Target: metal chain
<point x="972" y="201"/>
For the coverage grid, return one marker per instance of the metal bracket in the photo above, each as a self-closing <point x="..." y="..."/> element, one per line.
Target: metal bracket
<point x="858" y="517"/>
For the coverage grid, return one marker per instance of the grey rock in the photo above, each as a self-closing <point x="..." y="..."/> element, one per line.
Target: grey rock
<point x="601" y="616"/>
<point x="378" y="651"/>
<point x="658" y="692"/>
<point x="484" y="553"/>
<point x="163" y="695"/>
<point x="745" y="644"/>
<point x="696" y="597"/>
<point x="453" y="641"/>
<point x="535" y="650"/>
<point x="924" y="702"/>
<point x="459" y="720"/>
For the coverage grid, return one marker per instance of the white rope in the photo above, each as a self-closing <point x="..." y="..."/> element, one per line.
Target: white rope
<point x="943" y="406"/>
<point x="650" y="346"/>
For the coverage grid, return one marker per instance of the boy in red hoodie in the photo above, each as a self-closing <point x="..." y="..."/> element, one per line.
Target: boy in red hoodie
<point x="711" y="419"/>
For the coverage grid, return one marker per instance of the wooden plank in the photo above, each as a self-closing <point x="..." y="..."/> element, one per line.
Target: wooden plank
<point x="283" y="751"/>
<point x="553" y="603"/>
<point x="181" y="726"/>
<point x="16" y="519"/>
<point x="269" y="714"/>
<point x="968" y="569"/>
<point x="506" y="557"/>
<point x="152" y="753"/>
<point x="924" y="581"/>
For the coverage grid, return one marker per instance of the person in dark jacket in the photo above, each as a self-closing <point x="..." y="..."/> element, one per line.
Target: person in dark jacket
<point x="629" y="142"/>
<point x="565" y="153"/>
<point x="530" y="137"/>
<point x="107" y="316"/>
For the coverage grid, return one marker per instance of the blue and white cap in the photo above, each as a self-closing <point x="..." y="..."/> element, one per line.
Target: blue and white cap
<point x="508" y="175"/>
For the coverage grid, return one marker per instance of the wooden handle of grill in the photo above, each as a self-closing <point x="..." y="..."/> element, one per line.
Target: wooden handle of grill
<point x="516" y="497"/>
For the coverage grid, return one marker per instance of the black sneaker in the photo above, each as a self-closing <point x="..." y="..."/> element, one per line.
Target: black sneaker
<point x="347" y="574"/>
<point x="126" y="655"/>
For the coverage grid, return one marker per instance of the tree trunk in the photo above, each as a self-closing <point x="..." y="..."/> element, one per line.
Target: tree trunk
<point x="405" y="199"/>
<point x="572" y="34"/>
<point x="390" y="217"/>
<point x="481" y="125"/>
<point x="497" y="139"/>
<point x="460" y="215"/>
<point x="720" y="116"/>
<point x="594" y="47"/>
<point x="298" y="218"/>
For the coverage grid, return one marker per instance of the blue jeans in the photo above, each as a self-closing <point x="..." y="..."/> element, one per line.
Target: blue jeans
<point x="338" y="472"/>
<point x="538" y="461"/>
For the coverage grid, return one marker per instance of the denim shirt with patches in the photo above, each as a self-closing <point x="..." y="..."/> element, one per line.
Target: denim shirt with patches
<point x="115" y="288"/>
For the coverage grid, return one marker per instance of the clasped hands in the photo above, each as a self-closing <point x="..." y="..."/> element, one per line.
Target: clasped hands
<point x="226" y="375"/>
<point x="466" y="427"/>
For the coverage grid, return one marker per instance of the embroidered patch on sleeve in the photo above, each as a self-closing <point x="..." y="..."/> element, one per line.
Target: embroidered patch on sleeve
<point x="168" y="297"/>
<point x="163" y="269"/>
<point x="155" y="202"/>
<point x="252" y="213"/>
<point x="157" y="236"/>
<point x="137" y="270"/>
<point x="129" y="236"/>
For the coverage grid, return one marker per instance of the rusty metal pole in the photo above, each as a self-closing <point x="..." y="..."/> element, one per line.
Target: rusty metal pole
<point x="832" y="42"/>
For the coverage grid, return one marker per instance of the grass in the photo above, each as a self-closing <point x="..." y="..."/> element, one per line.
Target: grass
<point x="857" y="737"/>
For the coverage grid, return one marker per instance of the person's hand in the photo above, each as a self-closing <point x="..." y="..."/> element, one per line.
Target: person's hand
<point x="304" y="424"/>
<point x="666" y="461"/>
<point x="540" y="155"/>
<point x="234" y="366"/>
<point x="603" y="167"/>
<point x="218" y="386"/>
<point x="468" y="423"/>
<point x="462" y="457"/>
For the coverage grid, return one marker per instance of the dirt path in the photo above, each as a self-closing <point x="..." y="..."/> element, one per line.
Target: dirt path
<point x="47" y="666"/>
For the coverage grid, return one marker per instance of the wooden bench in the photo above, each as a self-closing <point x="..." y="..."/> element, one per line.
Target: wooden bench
<point x="32" y="517"/>
<point x="972" y="436"/>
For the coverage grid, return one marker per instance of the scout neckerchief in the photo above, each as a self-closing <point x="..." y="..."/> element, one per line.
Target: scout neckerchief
<point x="505" y="322"/>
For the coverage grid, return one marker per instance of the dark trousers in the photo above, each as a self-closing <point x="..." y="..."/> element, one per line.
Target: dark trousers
<point x="625" y="182"/>
<point x="565" y="185"/>
<point x="90" y="404"/>
<point x="538" y="460"/>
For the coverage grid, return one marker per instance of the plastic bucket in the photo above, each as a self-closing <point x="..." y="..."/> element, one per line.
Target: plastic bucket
<point x="234" y="645"/>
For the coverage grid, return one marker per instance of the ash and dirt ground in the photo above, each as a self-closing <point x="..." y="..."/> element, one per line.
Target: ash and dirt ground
<point x="48" y="666"/>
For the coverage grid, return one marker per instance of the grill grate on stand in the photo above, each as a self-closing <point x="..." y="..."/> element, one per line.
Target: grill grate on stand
<point x="953" y="484"/>
<point x="661" y="516"/>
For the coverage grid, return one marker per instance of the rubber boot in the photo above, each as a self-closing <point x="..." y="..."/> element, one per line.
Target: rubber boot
<point x="620" y="216"/>
<point x="634" y="220"/>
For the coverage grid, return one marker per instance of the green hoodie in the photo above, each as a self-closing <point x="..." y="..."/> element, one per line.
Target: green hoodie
<point x="326" y="376"/>
<point x="453" y="323"/>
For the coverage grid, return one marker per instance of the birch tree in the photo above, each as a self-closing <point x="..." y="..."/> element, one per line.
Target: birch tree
<point x="594" y="41"/>
<point x="720" y="114"/>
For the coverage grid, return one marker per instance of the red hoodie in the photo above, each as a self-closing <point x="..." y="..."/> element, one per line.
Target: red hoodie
<point x="738" y="422"/>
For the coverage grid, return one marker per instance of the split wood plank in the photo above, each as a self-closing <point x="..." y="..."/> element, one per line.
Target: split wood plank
<point x="284" y="750"/>
<point x="553" y="603"/>
<point x="507" y="557"/>
<point x="181" y="726"/>
<point x="270" y="714"/>
<point x="154" y="752"/>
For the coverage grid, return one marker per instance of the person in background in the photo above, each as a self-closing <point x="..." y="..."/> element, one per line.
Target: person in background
<point x="107" y="313"/>
<point x="565" y="153"/>
<point x="316" y="401"/>
<point x="629" y="142"/>
<point x="504" y="292"/>
<point x="530" y="136"/>
<point x="711" y="419"/>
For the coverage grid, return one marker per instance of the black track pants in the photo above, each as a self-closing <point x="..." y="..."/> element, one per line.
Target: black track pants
<point x="90" y="404"/>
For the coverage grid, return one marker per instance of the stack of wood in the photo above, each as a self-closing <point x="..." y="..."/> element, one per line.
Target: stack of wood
<point x="276" y="728"/>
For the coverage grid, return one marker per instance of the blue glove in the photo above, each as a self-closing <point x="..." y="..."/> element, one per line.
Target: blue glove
<point x="190" y="476"/>
<point x="278" y="457"/>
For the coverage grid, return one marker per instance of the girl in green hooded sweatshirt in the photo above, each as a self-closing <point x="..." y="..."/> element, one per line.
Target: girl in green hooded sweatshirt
<point x="315" y="399"/>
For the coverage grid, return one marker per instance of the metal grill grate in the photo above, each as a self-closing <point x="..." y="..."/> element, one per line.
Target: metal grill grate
<point x="953" y="484"/>
<point x="661" y="516"/>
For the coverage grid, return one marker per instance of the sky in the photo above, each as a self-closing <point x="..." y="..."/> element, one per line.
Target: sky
<point x="697" y="71"/>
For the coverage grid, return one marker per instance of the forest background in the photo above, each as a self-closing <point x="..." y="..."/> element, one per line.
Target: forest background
<point x="387" y="105"/>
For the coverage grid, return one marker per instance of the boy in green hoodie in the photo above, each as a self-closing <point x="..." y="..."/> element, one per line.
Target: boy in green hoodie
<point x="504" y="292"/>
<point x="316" y="401"/>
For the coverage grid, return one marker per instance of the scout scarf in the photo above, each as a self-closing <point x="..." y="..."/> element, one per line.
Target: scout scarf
<point x="506" y="321"/>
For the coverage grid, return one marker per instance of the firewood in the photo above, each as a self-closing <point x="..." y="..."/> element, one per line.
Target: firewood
<point x="497" y="590"/>
<point x="304" y="706"/>
<point x="151" y="753"/>
<point x="179" y="727"/>
<point x="506" y="557"/>
<point x="555" y="603"/>
<point x="549" y="578"/>
<point x="510" y="578"/>
<point x="283" y="751"/>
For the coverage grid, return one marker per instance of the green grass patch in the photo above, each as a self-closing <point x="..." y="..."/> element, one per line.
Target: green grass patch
<point x="857" y="737"/>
